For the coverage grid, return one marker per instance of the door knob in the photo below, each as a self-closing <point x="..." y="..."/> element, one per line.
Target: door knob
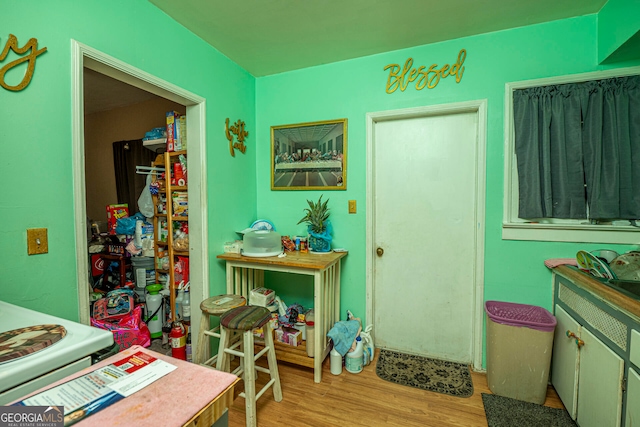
<point x="379" y="251"/>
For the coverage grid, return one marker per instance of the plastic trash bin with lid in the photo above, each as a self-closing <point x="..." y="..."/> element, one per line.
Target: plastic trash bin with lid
<point x="519" y="344"/>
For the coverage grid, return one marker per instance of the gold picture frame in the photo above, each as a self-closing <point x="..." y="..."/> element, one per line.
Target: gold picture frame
<point x="309" y="156"/>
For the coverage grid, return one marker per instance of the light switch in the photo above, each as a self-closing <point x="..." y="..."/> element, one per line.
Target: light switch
<point x="352" y="206"/>
<point x="37" y="241"/>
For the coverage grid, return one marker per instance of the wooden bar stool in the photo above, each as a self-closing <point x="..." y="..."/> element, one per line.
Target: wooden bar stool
<point x="214" y="306"/>
<point x="244" y="320"/>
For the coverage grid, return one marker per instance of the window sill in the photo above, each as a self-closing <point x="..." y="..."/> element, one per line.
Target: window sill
<point x="624" y="235"/>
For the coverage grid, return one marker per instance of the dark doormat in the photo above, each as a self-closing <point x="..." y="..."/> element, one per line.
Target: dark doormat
<point x="507" y="412"/>
<point x="424" y="373"/>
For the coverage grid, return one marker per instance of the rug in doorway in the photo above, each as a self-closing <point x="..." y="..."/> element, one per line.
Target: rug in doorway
<point x="435" y="375"/>
<point x="507" y="412"/>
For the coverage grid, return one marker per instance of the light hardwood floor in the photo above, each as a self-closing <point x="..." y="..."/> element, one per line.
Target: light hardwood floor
<point x="363" y="400"/>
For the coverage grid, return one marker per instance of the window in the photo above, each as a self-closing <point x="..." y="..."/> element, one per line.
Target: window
<point x="572" y="158"/>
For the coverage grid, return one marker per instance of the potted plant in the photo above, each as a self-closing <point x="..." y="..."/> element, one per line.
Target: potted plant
<point x="319" y="226"/>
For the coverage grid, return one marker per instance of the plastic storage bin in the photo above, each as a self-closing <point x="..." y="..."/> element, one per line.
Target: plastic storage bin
<point x="519" y="344"/>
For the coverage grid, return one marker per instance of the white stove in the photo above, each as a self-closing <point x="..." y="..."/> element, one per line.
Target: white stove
<point x="72" y="353"/>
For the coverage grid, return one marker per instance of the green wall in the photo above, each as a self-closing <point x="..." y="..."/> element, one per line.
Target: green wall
<point x="37" y="129"/>
<point x="514" y="270"/>
<point x="618" y="31"/>
<point x="37" y="134"/>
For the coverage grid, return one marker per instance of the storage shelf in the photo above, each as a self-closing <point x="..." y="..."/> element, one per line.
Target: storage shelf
<point x="167" y="160"/>
<point x="290" y="354"/>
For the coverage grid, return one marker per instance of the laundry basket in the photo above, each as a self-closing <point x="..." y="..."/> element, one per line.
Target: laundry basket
<point x="519" y="344"/>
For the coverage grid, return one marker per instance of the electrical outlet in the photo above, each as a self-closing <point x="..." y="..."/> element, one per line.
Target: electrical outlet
<point x="37" y="241"/>
<point x="352" y="206"/>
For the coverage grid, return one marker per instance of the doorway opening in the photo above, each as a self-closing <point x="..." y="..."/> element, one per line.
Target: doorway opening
<point x="86" y="58"/>
<point x="437" y="137"/>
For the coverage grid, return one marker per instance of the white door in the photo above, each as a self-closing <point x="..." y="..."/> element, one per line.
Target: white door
<point x="425" y="234"/>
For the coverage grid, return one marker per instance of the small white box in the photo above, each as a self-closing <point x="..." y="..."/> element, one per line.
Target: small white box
<point x="261" y="296"/>
<point x="233" y="247"/>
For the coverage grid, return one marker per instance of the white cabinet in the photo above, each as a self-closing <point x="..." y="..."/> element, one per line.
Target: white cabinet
<point x="632" y="412"/>
<point x="632" y="417"/>
<point x="586" y="374"/>
<point x="564" y="364"/>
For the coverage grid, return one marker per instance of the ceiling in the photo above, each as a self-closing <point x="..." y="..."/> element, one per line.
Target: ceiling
<point x="273" y="36"/>
<point x="103" y="93"/>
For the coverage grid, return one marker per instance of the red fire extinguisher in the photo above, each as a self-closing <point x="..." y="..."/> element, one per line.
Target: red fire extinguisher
<point x="178" y="338"/>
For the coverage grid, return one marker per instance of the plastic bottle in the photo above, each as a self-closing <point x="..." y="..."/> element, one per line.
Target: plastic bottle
<point x="310" y="330"/>
<point x="155" y="308"/>
<point x="188" y="349"/>
<point x="336" y="362"/>
<point x="178" y="301"/>
<point x="353" y="360"/>
<point x="186" y="307"/>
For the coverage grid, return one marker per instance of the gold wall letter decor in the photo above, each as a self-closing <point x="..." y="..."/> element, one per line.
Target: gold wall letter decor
<point x="400" y="77"/>
<point x="32" y="46"/>
<point x="238" y="130"/>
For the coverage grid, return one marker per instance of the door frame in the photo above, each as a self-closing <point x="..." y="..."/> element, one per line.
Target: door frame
<point x="85" y="56"/>
<point x="478" y="107"/>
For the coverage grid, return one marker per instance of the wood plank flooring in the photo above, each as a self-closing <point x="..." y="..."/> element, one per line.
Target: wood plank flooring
<point x="363" y="400"/>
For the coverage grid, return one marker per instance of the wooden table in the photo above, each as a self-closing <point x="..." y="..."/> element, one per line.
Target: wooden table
<point x="189" y="396"/>
<point x="247" y="273"/>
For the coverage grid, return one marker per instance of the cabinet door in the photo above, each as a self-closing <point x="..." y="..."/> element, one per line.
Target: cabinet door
<point x="564" y="367"/>
<point x="600" y="384"/>
<point x="633" y="398"/>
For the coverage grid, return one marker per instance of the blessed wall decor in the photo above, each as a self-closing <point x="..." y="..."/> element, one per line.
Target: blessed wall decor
<point x="32" y="48"/>
<point x="236" y="129"/>
<point x="400" y="77"/>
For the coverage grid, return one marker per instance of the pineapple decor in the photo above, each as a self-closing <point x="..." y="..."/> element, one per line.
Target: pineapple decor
<point x="319" y="226"/>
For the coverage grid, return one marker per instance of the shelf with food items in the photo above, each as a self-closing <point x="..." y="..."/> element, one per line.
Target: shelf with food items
<point x="172" y="225"/>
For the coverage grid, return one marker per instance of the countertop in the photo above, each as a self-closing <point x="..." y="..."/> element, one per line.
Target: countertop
<point x="602" y="291"/>
<point x="307" y="260"/>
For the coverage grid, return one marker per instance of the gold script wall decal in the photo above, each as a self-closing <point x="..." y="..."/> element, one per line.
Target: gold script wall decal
<point x="236" y="129"/>
<point x="32" y="48"/>
<point x="400" y="77"/>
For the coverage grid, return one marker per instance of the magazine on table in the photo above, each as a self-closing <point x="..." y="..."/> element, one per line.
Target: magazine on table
<point x="98" y="389"/>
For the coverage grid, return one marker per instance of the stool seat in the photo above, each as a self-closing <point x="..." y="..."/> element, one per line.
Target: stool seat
<point x="220" y="304"/>
<point x="245" y="318"/>
<point x="242" y="321"/>
<point x="214" y="306"/>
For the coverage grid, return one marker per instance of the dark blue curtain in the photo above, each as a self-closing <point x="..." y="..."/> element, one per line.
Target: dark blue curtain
<point x="576" y="146"/>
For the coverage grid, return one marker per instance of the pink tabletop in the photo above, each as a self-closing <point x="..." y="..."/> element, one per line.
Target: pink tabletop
<point x="170" y="401"/>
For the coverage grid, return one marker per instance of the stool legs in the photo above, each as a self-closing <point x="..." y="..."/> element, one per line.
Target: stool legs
<point x="223" y="363"/>
<point x="249" y="377"/>
<point x="248" y="368"/>
<point x="202" y="353"/>
<point x="273" y="363"/>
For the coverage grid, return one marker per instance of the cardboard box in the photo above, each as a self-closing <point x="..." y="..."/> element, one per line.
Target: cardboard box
<point x="261" y="296"/>
<point x="172" y="129"/>
<point x="183" y="133"/>
<point x="289" y="336"/>
<point x="97" y="265"/>
<point x="115" y="212"/>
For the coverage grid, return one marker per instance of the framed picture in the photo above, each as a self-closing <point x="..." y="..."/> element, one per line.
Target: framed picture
<point x="309" y="156"/>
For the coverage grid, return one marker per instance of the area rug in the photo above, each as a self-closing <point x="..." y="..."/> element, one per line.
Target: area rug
<point x="506" y="412"/>
<point x="435" y="375"/>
